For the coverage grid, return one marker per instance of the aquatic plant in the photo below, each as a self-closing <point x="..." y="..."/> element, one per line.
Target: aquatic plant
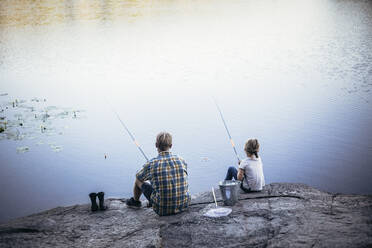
<point x="32" y="120"/>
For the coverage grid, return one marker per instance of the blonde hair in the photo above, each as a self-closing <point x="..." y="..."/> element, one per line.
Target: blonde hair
<point x="251" y="147"/>
<point x="164" y="141"/>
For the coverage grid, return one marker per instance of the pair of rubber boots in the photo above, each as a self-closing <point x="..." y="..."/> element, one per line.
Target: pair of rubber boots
<point x="101" y="198"/>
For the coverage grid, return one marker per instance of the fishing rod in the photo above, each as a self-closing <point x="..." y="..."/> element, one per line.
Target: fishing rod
<point x="232" y="143"/>
<point x="130" y="134"/>
<point x="227" y="130"/>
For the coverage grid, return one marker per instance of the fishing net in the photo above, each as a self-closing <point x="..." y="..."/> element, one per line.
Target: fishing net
<point x="218" y="212"/>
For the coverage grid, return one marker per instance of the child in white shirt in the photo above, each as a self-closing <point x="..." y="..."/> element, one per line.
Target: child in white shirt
<point x="250" y="169"/>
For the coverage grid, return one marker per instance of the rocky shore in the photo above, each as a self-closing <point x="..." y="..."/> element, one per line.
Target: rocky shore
<point x="282" y="215"/>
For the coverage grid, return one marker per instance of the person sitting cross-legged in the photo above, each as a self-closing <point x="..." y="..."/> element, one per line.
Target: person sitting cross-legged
<point x="250" y="169"/>
<point x="167" y="191"/>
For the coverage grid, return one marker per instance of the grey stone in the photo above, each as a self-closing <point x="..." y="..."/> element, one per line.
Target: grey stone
<point x="282" y="215"/>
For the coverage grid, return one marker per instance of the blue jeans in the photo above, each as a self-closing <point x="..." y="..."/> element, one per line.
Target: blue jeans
<point x="232" y="172"/>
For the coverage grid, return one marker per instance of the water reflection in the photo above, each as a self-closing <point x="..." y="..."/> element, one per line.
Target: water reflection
<point x="44" y="12"/>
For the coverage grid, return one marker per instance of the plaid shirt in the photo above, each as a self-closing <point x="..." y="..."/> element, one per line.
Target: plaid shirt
<point x="168" y="176"/>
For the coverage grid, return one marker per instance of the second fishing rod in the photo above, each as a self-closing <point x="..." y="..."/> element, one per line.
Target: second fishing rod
<point x="227" y="130"/>
<point x="232" y="143"/>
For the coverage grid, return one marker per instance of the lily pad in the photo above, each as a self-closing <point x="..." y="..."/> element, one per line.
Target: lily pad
<point x="22" y="149"/>
<point x="35" y="99"/>
<point x="56" y="148"/>
<point x="50" y="108"/>
<point x="31" y="118"/>
<point x="18" y="116"/>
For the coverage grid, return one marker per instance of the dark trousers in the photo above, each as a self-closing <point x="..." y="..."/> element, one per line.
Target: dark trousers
<point x="147" y="190"/>
<point x="232" y="172"/>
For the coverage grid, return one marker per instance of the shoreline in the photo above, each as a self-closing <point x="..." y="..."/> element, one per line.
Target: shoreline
<point x="282" y="215"/>
<point x="144" y="201"/>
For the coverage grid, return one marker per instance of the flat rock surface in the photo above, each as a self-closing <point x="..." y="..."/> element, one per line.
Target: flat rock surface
<point x="282" y="215"/>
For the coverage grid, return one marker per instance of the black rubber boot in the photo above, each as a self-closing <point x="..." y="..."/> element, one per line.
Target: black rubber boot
<point x="101" y="198"/>
<point x="93" y="197"/>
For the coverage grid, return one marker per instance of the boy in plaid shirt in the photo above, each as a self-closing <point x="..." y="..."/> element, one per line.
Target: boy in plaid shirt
<point x="168" y="192"/>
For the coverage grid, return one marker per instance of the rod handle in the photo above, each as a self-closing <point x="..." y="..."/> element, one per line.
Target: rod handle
<point x="214" y="197"/>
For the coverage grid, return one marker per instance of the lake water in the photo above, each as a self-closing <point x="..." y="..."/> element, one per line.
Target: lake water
<point x="297" y="75"/>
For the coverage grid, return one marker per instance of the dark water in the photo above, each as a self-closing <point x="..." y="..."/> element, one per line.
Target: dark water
<point x="297" y="75"/>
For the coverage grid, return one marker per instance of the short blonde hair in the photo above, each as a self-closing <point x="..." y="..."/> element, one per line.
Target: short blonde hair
<point x="164" y="141"/>
<point x="251" y="147"/>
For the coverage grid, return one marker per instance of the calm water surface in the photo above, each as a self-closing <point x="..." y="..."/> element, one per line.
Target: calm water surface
<point x="297" y="75"/>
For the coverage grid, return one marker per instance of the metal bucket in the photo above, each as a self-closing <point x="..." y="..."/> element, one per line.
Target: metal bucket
<point x="229" y="191"/>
